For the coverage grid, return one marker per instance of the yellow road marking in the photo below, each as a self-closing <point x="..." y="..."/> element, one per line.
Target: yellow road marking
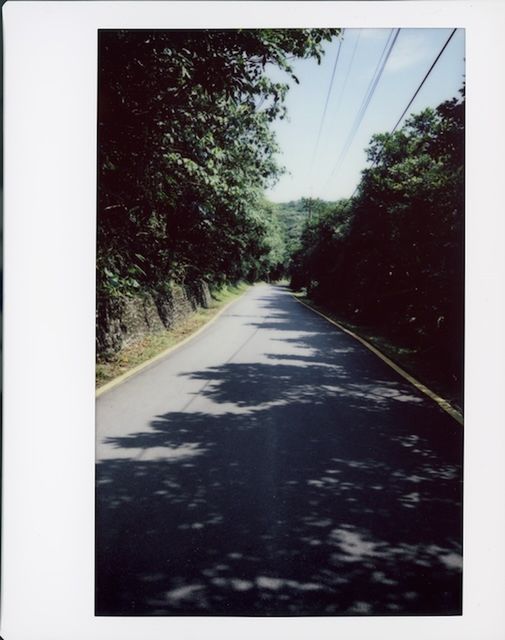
<point x="448" y="408"/>
<point x="128" y="374"/>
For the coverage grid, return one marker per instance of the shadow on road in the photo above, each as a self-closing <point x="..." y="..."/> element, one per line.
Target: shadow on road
<point x="318" y="484"/>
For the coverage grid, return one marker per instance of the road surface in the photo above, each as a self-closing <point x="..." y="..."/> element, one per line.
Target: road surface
<point x="275" y="466"/>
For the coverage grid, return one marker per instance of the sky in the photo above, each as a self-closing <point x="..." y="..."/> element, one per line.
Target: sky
<point x="414" y="52"/>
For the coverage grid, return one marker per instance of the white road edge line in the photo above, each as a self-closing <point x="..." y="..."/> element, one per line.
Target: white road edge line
<point x="443" y="404"/>
<point x="132" y="372"/>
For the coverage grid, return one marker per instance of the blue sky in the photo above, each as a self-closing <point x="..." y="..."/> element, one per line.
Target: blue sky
<point x="414" y="52"/>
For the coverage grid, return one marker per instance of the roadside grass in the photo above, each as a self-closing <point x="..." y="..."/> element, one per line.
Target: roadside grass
<point x="150" y="345"/>
<point x="418" y="363"/>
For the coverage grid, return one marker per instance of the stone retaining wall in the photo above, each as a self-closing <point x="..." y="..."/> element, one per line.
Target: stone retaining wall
<point x="121" y="320"/>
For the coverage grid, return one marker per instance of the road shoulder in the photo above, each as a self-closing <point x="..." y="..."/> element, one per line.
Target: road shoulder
<point x="444" y="404"/>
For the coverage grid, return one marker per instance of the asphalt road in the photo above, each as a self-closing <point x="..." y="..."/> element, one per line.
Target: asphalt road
<point x="275" y="466"/>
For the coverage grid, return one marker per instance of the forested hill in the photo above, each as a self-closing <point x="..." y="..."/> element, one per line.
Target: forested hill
<point x="293" y="216"/>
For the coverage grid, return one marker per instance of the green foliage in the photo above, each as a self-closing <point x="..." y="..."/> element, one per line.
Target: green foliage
<point x="185" y="150"/>
<point x="393" y="256"/>
<point x="292" y="217"/>
<point x="321" y="241"/>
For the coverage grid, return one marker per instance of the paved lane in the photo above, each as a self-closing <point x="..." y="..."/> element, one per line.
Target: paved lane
<point x="273" y="466"/>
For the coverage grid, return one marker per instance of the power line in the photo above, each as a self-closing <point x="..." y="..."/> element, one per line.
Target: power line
<point x="368" y="97"/>
<point x="412" y="99"/>
<point x="378" y="69"/>
<point x="424" y="80"/>
<point x="384" y="57"/>
<point x="316" y="146"/>
<point x="348" y="72"/>
<point x="369" y="91"/>
<point x="344" y="85"/>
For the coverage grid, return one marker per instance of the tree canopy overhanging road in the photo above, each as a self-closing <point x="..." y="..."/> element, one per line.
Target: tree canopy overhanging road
<point x="274" y="466"/>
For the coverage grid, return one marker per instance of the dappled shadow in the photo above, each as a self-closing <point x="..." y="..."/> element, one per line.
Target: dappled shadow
<point x="313" y="483"/>
<point x="250" y="385"/>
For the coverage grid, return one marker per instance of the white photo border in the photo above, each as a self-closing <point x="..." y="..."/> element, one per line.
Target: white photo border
<point x="50" y="224"/>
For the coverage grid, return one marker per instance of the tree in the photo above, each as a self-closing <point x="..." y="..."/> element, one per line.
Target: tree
<point x="394" y="255"/>
<point x="184" y="149"/>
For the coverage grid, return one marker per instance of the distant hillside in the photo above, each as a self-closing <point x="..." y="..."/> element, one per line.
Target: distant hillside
<point x="292" y="216"/>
